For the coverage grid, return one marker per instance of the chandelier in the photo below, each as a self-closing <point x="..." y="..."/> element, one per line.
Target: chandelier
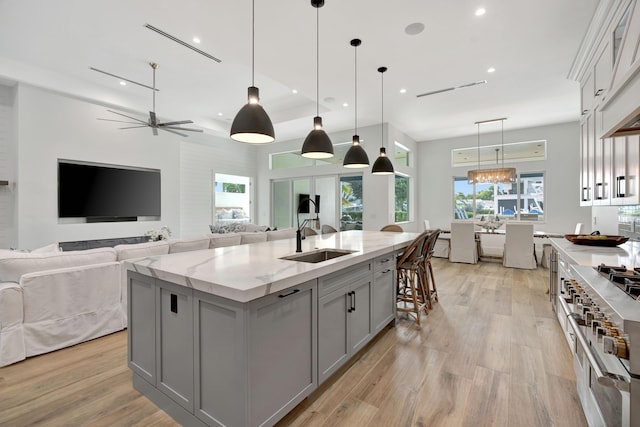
<point x="493" y="175"/>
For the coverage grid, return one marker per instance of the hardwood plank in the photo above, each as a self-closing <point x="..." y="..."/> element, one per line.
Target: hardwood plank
<point x="489" y="353"/>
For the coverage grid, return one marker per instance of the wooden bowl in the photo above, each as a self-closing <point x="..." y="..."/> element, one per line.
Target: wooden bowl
<point x="596" y="239"/>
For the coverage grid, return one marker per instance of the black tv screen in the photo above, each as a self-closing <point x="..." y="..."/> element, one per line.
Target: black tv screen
<point x="92" y="190"/>
<point x="303" y="203"/>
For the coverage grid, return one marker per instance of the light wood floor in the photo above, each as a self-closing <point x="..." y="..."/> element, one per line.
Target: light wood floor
<point x="489" y="354"/>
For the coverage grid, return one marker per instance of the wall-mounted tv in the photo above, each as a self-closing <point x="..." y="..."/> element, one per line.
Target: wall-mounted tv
<point x="303" y="203"/>
<point x="100" y="192"/>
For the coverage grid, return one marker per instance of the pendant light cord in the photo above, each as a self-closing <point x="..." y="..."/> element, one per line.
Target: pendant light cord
<point x="355" y="52"/>
<point x="502" y="126"/>
<point x="253" y="41"/>
<point x="382" y="109"/>
<point x="478" y="124"/>
<point x="317" y="61"/>
<point x="154" y="86"/>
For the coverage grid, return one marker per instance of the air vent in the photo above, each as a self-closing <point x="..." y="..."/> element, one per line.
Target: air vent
<point x="183" y="43"/>
<point x="481" y="82"/>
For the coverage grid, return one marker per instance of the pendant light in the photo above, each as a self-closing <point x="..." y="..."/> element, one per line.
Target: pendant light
<point x="252" y="124"/>
<point x="317" y="144"/>
<point x="382" y="165"/>
<point x="356" y="156"/>
<point x="499" y="175"/>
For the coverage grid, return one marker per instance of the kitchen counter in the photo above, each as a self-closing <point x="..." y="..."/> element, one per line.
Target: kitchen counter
<point x="246" y="272"/>
<point x="238" y="336"/>
<point x="627" y="254"/>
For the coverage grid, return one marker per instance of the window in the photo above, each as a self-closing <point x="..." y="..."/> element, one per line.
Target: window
<point x="514" y="152"/>
<point x="401" y="154"/>
<point x="232" y="199"/>
<point x="351" y="203"/>
<point x="402" y="198"/>
<point x="522" y="200"/>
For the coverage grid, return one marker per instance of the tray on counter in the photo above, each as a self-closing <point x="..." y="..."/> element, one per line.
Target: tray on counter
<point x="596" y="239"/>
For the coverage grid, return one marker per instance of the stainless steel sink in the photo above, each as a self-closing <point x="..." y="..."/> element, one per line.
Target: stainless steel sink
<point x="318" y="255"/>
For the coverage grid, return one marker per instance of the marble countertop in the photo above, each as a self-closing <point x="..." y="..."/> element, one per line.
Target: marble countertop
<point x="627" y="254"/>
<point x="246" y="272"/>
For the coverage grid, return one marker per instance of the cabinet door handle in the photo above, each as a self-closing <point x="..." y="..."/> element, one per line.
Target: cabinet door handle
<point x="598" y="92"/>
<point x="350" y="303"/>
<point x="585" y="194"/>
<point x="599" y="191"/>
<point x="353" y="307"/>
<point x="382" y="261"/>
<point x="620" y="183"/>
<point x="295" y="291"/>
<point x="386" y="271"/>
<point x="174" y="303"/>
<point x="584" y="112"/>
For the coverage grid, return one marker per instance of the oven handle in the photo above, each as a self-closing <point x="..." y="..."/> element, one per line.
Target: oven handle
<point x="605" y="378"/>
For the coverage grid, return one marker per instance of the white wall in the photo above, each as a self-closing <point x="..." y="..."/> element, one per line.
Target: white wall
<point x="378" y="191"/>
<point x="52" y="126"/>
<point x="8" y="234"/>
<point x="562" y="208"/>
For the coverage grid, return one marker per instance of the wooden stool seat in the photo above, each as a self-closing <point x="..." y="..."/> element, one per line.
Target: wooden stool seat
<point x="411" y="295"/>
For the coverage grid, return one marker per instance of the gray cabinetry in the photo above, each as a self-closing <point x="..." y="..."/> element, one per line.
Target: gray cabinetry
<point x="141" y="336"/>
<point x="346" y="312"/>
<point x="282" y="352"/>
<point x="174" y="332"/>
<point x="384" y="298"/>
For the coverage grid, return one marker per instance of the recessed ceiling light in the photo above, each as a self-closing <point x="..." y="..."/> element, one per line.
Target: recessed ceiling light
<point x="294" y="91"/>
<point x="345" y="104"/>
<point x="123" y="83"/>
<point x="491" y="70"/>
<point x="403" y="91"/>
<point x="414" y="29"/>
<point x="196" y="40"/>
<point x="481" y="11"/>
<point x="219" y="114"/>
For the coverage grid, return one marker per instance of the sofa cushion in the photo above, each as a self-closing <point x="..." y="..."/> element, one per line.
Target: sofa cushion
<point x="284" y="233"/>
<point x="16" y="264"/>
<point x="53" y="247"/>
<point x="251" y="228"/>
<point x="252" y="237"/>
<point x="140" y="250"/>
<point x="190" y="244"/>
<point x="222" y="240"/>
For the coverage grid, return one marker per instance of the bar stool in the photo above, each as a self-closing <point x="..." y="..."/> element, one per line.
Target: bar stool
<point x="430" y="280"/>
<point x="411" y="295"/>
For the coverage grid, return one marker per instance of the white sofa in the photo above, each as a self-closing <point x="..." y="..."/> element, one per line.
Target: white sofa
<point x="53" y="300"/>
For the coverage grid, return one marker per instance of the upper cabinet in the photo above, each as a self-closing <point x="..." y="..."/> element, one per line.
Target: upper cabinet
<point x="608" y="69"/>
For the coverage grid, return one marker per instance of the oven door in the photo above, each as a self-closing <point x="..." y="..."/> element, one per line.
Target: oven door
<point x="604" y="395"/>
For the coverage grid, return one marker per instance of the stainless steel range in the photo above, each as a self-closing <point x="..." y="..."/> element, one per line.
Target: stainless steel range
<point x="599" y="311"/>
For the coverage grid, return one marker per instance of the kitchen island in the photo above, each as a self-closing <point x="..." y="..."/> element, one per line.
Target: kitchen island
<point x="239" y="336"/>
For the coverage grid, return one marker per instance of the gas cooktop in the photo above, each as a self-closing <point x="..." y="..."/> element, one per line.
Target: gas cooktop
<point x="627" y="280"/>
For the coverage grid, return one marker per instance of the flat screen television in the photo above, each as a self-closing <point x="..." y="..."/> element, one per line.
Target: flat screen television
<point x="303" y="203"/>
<point x="101" y="192"/>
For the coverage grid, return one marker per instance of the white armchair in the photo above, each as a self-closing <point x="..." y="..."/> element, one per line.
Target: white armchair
<point x="519" y="250"/>
<point x="463" y="243"/>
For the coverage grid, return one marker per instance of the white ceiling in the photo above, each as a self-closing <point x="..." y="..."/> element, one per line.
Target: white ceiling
<point x="531" y="44"/>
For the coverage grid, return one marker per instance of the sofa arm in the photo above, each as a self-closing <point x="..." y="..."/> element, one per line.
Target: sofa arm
<point x="11" y="333"/>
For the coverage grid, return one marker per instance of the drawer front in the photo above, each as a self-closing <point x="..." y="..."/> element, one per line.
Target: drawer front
<point x="385" y="262"/>
<point x="342" y="278"/>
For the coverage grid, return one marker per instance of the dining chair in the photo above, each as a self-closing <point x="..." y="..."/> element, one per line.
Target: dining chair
<point x="326" y="229"/>
<point x="411" y="294"/>
<point x="519" y="249"/>
<point x="578" y="228"/>
<point x="392" y="227"/>
<point x="463" y="245"/>
<point x="427" y="224"/>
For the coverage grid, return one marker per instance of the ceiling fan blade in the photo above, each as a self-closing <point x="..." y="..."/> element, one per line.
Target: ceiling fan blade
<point x="152" y="118"/>
<point x="180" y="122"/>
<point x="119" y="121"/>
<point x="129" y="117"/>
<point x="172" y="131"/>
<point x="134" y="127"/>
<point x="181" y="128"/>
<point x="452" y="88"/>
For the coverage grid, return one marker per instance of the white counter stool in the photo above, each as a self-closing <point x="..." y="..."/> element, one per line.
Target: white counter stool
<point x="411" y="295"/>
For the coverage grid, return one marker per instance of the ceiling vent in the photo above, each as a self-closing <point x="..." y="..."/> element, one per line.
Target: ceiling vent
<point x="183" y="43"/>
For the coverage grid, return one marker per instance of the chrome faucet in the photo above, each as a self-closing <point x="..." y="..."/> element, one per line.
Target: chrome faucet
<point x="316" y="220"/>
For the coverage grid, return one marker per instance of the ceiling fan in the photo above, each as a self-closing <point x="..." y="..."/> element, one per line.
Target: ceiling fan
<point x="153" y="123"/>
